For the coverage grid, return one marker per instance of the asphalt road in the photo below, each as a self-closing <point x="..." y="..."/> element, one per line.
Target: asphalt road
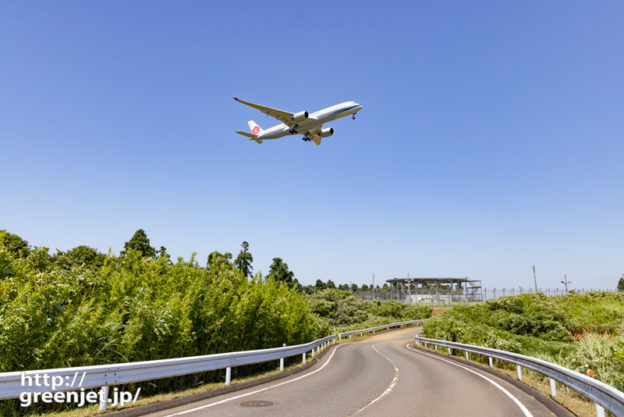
<point x="379" y="376"/>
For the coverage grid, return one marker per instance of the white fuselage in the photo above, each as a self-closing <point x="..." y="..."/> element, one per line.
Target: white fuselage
<point x="313" y="122"/>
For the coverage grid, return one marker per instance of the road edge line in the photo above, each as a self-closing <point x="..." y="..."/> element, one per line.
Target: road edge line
<point x="201" y="396"/>
<point x="556" y="408"/>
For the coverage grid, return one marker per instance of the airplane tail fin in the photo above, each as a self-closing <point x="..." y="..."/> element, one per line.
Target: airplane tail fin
<point x="253" y="126"/>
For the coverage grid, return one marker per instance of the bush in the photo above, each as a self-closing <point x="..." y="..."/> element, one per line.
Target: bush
<point x="538" y="326"/>
<point x="343" y="310"/>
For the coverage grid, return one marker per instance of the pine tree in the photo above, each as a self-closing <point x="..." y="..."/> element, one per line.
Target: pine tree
<point x="140" y="243"/>
<point x="244" y="259"/>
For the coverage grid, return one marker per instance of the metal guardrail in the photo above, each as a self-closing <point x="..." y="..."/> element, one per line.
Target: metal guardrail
<point x="83" y="377"/>
<point x="603" y="395"/>
<point x="382" y="327"/>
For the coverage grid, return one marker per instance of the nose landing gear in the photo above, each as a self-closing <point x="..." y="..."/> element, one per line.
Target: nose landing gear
<point x="353" y="115"/>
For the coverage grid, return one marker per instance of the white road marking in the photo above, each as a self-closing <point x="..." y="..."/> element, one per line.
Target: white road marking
<point x="256" y="391"/>
<point x="522" y="407"/>
<point x="387" y="391"/>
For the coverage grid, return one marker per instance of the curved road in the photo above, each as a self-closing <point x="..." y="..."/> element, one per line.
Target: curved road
<point x="378" y="376"/>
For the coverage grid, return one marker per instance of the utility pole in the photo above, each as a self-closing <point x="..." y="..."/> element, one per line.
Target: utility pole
<point x="565" y="282"/>
<point x="373" y="286"/>
<point x="535" y="279"/>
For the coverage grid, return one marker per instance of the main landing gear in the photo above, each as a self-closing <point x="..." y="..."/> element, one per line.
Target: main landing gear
<point x="306" y="139"/>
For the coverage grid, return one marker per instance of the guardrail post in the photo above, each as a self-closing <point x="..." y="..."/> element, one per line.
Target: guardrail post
<point x="436" y="348"/>
<point x="450" y="351"/>
<point x="104" y="397"/>
<point x="553" y="387"/>
<point x="228" y="375"/>
<point x="282" y="360"/>
<point x="426" y="345"/>
<point x="467" y="356"/>
<point x="490" y="361"/>
<point x="600" y="412"/>
<point x="312" y="353"/>
<point x="519" y="368"/>
<point x="349" y="336"/>
<point x="304" y="358"/>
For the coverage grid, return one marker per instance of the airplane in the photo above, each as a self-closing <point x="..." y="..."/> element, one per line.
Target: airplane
<point x="308" y="124"/>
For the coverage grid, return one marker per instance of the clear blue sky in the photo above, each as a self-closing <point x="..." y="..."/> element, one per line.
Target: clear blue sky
<point x="491" y="137"/>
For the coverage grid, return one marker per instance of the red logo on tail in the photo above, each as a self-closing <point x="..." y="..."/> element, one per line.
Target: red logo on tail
<point x="255" y="130"/>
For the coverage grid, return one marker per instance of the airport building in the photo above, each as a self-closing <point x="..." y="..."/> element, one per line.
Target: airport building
<point x="437" y="290"/>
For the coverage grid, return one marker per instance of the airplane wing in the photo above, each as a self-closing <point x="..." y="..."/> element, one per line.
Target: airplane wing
<point x="316" y="139"/>
<point x="283" y="116"/>
<point x="315" y="135"/>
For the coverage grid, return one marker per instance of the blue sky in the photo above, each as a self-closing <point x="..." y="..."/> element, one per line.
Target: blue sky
<point x="491" y="137"/>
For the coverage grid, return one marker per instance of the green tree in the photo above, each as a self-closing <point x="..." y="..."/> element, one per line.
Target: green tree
<point x="216" y="259"/>
<point x="15" y="244"/>
<point x="244" y="259"/>
<point x="343" y="287"/>
<point x="80" y="255"/>
<point x="320" y="285"/>
<point x="279" y="271"/>
<point x="330" y="284"/>
<point x="162" y="253"/>
<point x="354" y="287"/>
<point x="140" y="243"/>
<point x="620" y="286"/>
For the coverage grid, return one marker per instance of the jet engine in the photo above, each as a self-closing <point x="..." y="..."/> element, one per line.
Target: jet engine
<point x="328" y="131"/>
<point x="297" y="117"/>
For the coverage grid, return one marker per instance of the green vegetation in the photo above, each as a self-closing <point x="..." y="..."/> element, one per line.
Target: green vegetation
<point x="82" y="307"/>
<point x="346" y="312"/>
<point x="546" y="328"/>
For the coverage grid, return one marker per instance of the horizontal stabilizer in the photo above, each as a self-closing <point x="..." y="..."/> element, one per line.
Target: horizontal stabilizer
<point x="249" y="135"/>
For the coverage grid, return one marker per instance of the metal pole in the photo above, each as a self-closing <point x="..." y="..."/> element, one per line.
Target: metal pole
<point x="535" y="279"/>
<point x="228" y="375"/>
<point x="373" y="286"/>
<point x="519" y="372"/>
<point x="553" y="387"/>
<point x="565" y="282"/>
<point x="600" y="412"/>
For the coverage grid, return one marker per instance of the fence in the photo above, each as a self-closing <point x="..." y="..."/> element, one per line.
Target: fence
<point x="444" y="296"/>
<point x="603" y="395"/>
